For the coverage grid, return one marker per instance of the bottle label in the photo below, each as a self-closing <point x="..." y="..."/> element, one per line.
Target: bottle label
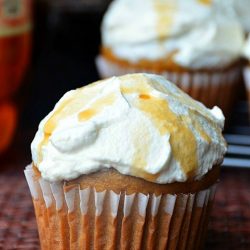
<point x="15" y="17"/>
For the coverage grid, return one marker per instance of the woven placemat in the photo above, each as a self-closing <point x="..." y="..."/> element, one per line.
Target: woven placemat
<point x="17" y="220"/>
<point x="230" y="221"/>
<point x="229" y="227"/>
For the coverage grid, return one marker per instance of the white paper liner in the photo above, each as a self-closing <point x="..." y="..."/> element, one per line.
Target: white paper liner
<point x="108" y="69"/>
<point x="211" y="88"/>
<point x="145" y="221"/>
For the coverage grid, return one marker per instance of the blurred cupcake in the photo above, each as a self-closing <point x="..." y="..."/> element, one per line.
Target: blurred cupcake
<point x="189" y="42"/>
<point x="129" y="162"/>
<point x="246" y="53"/>
<point x="239" y="9"/>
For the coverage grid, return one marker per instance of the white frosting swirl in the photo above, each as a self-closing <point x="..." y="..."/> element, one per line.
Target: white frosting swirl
<point x="239" y="9"/>
<point x="199" y="34"/>
<point x="140" y="124"/>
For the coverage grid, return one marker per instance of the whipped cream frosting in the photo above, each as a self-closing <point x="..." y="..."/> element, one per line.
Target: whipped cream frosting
<point x="194" y="32"/>
<point x="239" y="9"/>
<point x="140" y="124"/>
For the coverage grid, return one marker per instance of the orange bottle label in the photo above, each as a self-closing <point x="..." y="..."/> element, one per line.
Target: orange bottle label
<point x="15" y="17"/>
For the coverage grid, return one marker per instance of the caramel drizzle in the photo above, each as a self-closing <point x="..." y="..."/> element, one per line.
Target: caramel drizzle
<point x="165" y="14"/>
<point x="70" y="106"/>
<point x="167" y="122"/>
<point x="180" y="134"/>
<point x="96" y="107"/>
<point x="51" y="124"/>
<point x="206" y="2"/>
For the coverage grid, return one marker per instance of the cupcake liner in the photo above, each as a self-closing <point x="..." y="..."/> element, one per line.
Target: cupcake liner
<point x="211" y="88"/>
<point x="72" y="218"/>
<point x="246" y="73"/>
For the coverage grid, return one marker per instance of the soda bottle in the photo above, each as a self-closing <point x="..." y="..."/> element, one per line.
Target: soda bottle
<point x="15" y="48"/>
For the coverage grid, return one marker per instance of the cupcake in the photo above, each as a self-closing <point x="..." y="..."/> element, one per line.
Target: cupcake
<point x="246" y="53"/>
<point x="129" y="162"/>
<point x="190" y="43"/>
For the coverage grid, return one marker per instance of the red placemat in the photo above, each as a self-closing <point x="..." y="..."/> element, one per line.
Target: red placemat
<point x="229" y="227"/>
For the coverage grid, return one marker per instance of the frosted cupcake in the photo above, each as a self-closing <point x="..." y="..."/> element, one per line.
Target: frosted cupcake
<point x="129" y="162"/>
<point x="189" y="42"/>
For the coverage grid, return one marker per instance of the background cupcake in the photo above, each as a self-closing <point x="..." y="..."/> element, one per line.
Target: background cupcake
<point x="240" y="10"/>
<point x="130" y="162"/>
<point x="193" y="44"/>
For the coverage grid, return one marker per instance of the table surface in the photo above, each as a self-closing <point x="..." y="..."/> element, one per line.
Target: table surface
<point x="229" y="226"/>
